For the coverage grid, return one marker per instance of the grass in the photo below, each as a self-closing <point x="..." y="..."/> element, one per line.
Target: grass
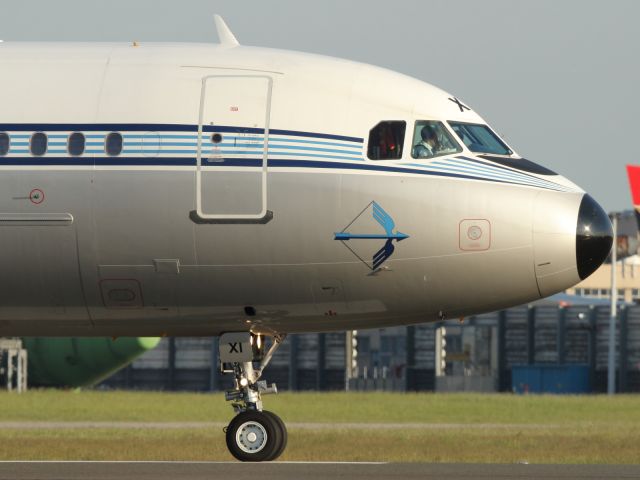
<point x="479" y="428"/>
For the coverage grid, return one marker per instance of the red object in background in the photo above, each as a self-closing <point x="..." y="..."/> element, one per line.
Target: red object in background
<point x="633" y="172"/>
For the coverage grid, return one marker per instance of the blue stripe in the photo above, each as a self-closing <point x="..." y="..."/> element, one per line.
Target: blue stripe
<point x="509" y="174"/>
<point x="189" y="152"/>
<point x="295" y="140"/>
<point x="487" y="172"/>
<point x="315" y="149"/>
<point x="190" y="161"/>
<point x="236" y="145"/>
<point x="293" y="154"/>
<point x="151" y="127"/>
<point x="513" y="170"/>
<point x="240" y="140"/>
<point x="490" y="175"/>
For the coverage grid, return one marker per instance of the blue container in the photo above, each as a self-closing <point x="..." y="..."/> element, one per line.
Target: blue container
<point x="550" y="379"/>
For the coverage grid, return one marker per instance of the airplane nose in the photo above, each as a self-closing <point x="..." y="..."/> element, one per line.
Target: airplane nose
<point x="571" y="238"/>
<point x="594" y="236"/>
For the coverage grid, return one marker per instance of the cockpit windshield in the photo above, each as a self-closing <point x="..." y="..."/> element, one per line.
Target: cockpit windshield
<point x="431" y="139"/>
<point x="480" y="138"/>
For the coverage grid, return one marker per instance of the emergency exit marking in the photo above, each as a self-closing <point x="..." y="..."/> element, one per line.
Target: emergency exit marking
<point x="36" y="196"/>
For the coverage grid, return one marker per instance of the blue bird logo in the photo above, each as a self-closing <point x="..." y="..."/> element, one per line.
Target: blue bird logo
<point x="387" y="223"/>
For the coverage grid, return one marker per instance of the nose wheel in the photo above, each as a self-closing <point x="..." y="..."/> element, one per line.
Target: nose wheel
<point x="254" y="434"/>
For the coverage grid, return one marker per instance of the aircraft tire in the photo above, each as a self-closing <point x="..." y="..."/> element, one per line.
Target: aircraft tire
<point x="283" y="435"/>
<point x="253" y="436"/>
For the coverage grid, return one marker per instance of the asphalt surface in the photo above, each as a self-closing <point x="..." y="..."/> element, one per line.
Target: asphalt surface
<point x="310" y="471"/>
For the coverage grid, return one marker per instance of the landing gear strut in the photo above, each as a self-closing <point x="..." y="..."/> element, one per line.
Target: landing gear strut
<point x="254" y="434"/>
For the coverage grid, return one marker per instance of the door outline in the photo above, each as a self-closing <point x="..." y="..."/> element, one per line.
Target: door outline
<point x="264" y="216"/>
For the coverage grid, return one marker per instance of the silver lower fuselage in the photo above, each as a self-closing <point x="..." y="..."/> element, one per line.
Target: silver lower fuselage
<point x="133" y="262"/>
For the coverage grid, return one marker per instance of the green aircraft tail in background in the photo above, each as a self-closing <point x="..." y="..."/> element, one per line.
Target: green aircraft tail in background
<point x="81" y="361"/>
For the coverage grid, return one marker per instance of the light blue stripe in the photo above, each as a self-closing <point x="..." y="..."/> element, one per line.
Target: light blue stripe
<point x="315" y="149"/>
<point x="489" y="176"/>
<point x="496" y="175"/>
<point x="250" y="152"/>
<point x="464" y="169"/>
<point x="473" y="168"/>
<point x="333" y="144"/>
<point x="509" y="173"/>
<point x="492" y="170"/>
<point x="168" y="144"/>
<point x="190" y="137"/>
<point x="229" y="140"/>
<point x="313" y="155"/>
<point x="274" y="154"/>
<point x="136" y="151"/>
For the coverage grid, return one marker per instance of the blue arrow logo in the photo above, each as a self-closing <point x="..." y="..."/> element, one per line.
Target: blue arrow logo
<point x="387" y="223"/>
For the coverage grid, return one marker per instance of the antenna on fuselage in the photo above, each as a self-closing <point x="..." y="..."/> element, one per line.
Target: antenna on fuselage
<point x="226" y="37"/>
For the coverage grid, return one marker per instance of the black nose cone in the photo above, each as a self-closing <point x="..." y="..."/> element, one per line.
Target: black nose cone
<point x="594" y="237"/>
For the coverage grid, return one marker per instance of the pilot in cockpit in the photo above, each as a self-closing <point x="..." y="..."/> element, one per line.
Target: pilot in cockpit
<point x="429" y="146"/>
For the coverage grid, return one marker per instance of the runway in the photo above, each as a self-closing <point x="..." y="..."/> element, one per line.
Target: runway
<point x="306" y="470"/>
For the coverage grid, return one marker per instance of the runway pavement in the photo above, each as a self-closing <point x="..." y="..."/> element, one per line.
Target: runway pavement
<point x="308" y="471"/>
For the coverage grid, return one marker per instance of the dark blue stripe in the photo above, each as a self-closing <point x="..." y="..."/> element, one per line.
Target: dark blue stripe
<point x="236" y="162"/>
<point x="152" y="127"/>
<point x="105" y="161"/>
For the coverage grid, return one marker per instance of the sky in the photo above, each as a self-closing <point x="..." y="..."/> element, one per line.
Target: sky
<point x="558" y="79"/>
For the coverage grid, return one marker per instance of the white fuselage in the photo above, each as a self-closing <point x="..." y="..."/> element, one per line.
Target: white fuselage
<point x="187" y="233"/>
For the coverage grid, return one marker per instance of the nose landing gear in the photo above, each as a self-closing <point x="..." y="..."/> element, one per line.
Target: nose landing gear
<point x="254" y="434"/>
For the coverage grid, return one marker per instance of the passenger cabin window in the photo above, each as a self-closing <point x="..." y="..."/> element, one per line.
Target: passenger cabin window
<point x="431" y="139"/>
<point x="5" y="143"/>
<point x="480" y="138"/>
<point x="113" y="144"/>
<point x="76" y="144"/>
<point x="38" y="144"/>
<point x="386" y="140"/>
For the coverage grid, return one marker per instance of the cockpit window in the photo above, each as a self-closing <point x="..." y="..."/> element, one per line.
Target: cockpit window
<point x="431" y="139"/>
<point x="480" y="138"/>
<point x="386" y="140"/>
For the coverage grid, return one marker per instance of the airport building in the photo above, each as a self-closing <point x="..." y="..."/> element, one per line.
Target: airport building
<point x="479" y="354"/>
<point x="598" y="285"/>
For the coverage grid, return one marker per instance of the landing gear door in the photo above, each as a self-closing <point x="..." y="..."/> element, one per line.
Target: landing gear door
<point x="232" y="149"/>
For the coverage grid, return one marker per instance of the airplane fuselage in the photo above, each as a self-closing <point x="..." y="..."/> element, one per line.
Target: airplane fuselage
<point x="227" y="189"/>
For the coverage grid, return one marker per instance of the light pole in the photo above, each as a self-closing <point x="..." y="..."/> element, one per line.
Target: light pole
<point x="611" y="371"/>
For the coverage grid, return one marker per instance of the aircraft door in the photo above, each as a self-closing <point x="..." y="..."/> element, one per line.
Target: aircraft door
<point x="232" y="152"/>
